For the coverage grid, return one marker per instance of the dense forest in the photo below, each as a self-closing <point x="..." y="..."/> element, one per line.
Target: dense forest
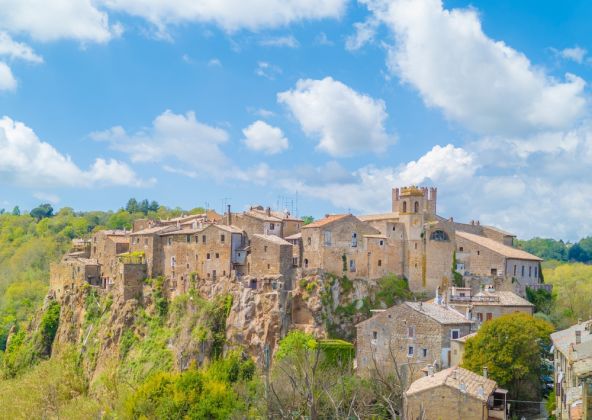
<point x="139" y="382"/>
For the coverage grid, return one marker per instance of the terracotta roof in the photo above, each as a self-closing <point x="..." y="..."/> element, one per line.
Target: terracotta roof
<point x="505" y="299"/>
<point x="458" y="378"/>
<point x="563" y="340"/>
<point x="498" y="247"/>
<point x="382" y="216"/>
<point x="327" y="220"/>
<point x="151" y="230"/>
<point x="295" y="236"/>
<point x="262" y="215"/>
<point x="440" y="313"/>
<point x="272" y="238"/>
<point x="227" y="228"/>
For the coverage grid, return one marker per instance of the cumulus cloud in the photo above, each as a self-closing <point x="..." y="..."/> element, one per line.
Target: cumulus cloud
<point x="231" y="15"/>
<point x="576" y="54"/>
<point x="345" y="122"/>
<point x="180" y="138"/>
<point x="482" y="83"/>
<point x="17" y="50"/>
<point x="27" y="161"/>
<point x="263" y="137"/>
<point x="52" y="20"/>
<point x="364" y="33"/>
<point x="7" y="80"/>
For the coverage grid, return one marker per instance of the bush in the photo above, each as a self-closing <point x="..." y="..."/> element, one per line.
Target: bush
<point x="48" y="327"/>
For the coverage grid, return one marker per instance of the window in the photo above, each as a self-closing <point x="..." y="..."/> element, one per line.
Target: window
<point x="416" y="245"/>
<point x="208" y="256"/>
<point x="461" y="249"/>
<point x="454" y="334"/>
<point x="410" y="351"/>
<point x="354" y="239"/>
<point x="393" y="228"/>
<point x="327" y="238"/>
<point x="295" y="261"/>
<point x="439" y="235"/>
<point x="188" y="238"/>
<point x="306" y="263"/>
<point x="173" y="261"/>
<point x="478" y="252"/>
<point x="170" y="241"/>
<point x="352" y="265"/>
<point x="381" y="243"/>
<point x="416" y="207"/>
<point x="265" y="248"/>
<point x="203" y="238"/>
<point x="222" y="238"/>
<point x="380" y="263"/>
<point x="424" y="353"/>
<point x="530" y="271"/>
<point x="374" y="335"/>
<point x="480" y="317"/>
<point x="146" y="241"/>
<point x="536" y="272"/>
<point x="514" y="269"/>
<point x="488" y="316"/>
<point x="217" y="255"/>
<point x="269" y="266"/>
<point x="271" y="226"/>
<point x="308" y="241"/>
<point x="494" y="272"/>
<point x="404" y="207"/>
<point x="522" y="271"/>
<point x="411" y="331"/>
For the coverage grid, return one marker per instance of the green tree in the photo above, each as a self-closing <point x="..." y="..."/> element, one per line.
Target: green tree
<point x="512" y="347"/>
<point x="579" y="254"/>
<point x="572" y="288"/>
<point x="307" y="220"/>
<point x="16" y="211"/>
<point x="42" y="211"/>
<point x="542" y="300"/>
<point x="548" y="249"/>
<point x="132" y="206"/>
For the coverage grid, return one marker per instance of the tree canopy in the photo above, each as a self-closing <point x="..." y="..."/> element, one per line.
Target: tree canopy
<point x="512" y="347"/>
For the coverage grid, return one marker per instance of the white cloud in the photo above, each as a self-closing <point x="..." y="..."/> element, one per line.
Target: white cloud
<point x="364" y="33"/>
<point x="323" y="39"/>
<point x="448" y="162"/>
<point x="17" y="50"/>
<point x="7" y="80"/>
<point x="47" y="197"/>
<point x="576" y="54"/>
<point x="27" y="161"/>
<point x="282" y="41"/>
<point x="52" y="20"/>
<point x="484" y="84"/>
<point x="231" y="15"/>
<point x="214" y="62"/>
<point x="267" y="70"/>
<point x="263" y="137"/>
<point x="177" y="137"/>
<point x="345" y="121"/>
<point x="261" y="112"/>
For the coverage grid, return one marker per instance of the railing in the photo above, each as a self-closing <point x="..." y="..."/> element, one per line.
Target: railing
<point x="474" y="299"/>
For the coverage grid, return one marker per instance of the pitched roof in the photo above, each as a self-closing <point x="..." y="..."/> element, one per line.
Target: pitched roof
<point x="262" y="215"/>
<point x="154" y="229"/>
<point x="464" y="338"/>
<point x="503" y="232"/>
<point x="295" y="236"/>
<point x="326" y="221"/>
<point x="498" y="247"/>
<point x="439" y="313"/>
<point x="459" y="379"/>
<point x="272" y="238"/>
<point x="376" y="217"/>
<point x="506" y="298"/>
<point x="563" y="340"/>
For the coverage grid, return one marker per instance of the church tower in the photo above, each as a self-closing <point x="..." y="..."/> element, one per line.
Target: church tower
<point x="415" y="206"/>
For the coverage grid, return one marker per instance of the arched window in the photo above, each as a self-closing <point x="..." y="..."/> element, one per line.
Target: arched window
<point x="439" y="235"/>
<point x="404" y="207"/>
<point x="416" y="208"/>
<point x="306" y="263"/>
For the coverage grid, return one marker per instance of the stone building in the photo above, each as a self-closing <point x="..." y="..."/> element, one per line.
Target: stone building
<point x="486" y="304"/>
<point x="149" y="242"/>
<point x="73" y="271"/>
<point x="415" y="334"/>
<point x="481" y="256"/>
<point x="457" y="349"/>
<point x="455" y="393"/>
<point x="336" y="244"/>
<point x="106" y="245"/>
<point x="270" y="255"/>
<point x="573" y="371"/>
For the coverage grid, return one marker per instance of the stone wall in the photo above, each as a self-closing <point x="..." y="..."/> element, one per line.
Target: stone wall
<point x="444" y="403"/>
<point x="130" y="281"/>
<point x="430" y="340"/>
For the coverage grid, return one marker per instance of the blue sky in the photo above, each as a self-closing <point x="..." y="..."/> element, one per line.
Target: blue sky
<point x="330" y="103"/>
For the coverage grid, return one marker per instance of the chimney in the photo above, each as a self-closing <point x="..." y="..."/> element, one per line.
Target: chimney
<point x="430" y="370"/>
<point x="578" y="337"/>
<point x="268" y="211"/>
<point x="228" y="216"/>
<point x="485" y="372"/>
<point x="454" y="374"/>
<point x="420" y="305"/>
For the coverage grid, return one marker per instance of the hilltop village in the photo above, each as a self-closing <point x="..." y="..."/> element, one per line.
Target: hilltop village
<point x="469" y="273"/>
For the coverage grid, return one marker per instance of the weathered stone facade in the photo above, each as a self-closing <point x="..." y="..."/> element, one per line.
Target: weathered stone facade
<point x="413" y="334"/>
